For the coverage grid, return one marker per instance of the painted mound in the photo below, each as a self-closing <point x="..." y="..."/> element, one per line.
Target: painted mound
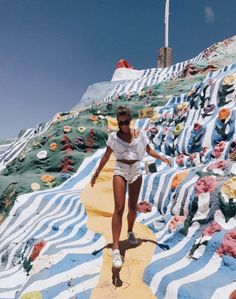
<point x="188" y="112"/>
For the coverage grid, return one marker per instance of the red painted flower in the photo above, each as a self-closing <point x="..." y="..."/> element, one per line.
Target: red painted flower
<point x="205" y="184"/>
<point x="212" y="228"/>
<point x="197" y="126"/>
<point x="228" y="245"/>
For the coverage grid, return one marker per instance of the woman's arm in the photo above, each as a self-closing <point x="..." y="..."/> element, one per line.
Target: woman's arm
<point x="102" y="163"/>
<point x="155" y="154"/>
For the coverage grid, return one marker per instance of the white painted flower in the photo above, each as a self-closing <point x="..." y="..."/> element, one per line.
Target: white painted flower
<point x="42" y="155"/>
<point x="35" y="186"/>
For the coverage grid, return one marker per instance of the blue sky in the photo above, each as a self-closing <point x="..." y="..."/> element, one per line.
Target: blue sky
<point x="51" y="50"/>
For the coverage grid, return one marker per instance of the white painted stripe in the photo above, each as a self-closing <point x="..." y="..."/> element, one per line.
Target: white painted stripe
<point x="91" y="267"/>
<point x="179" y="246"/>
<point x="224" y="292"/>
<point x="89" y="235"/>
<point x="210" y="268"/>
<point x="81" y="287"/>
<point x="156" y="280"/>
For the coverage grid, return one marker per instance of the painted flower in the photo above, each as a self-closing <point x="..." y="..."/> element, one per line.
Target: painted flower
<point x="205" y="184"/>
<point x="223" y="113"/>
<point x="180" y="160"/>
<point x="229" y="188"/>
<point x="165" y="130"/>
<point x="53" y="146"/>
<point x="197" y="126"/>
<point x="177" y="129"/>
<point x="46" y="178"/>
<point x="193" y="156"/>
<point x="79" y="140"/>
<point x="142" y="93"/>
<point x="228" y="245"/>
<point x="175" y="221"/>
<point x="203" y="151"/>
<point x="35" y="186"/>
<point x="42" y="155"/>
<point x="166" y="115"/>
<point x="177" y="179"/>
<point x="219" y="148"/>
<point x="36" y="143"/>
<point x="149" y="91"/>
<point x="182" y="106"/>
<point x="210" y="81"/>
<point x="209" y="108"/>
<point x="233" y="156"/>
<point x="212" y="228"/>
<point x="81" y="129"/>
<point x="155" y="117"/>
<point x="67" y="129"/>
<point x="153" y="130"/>
<point x="218" y="165"/>
<point x="228" y="80"/>
<point x="233" y="145"/>
<point x="94" y="117"/>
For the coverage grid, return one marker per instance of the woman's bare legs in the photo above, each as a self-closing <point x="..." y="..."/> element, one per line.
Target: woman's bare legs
<point x="119" y="189"/>
<point x="134" y="190"/>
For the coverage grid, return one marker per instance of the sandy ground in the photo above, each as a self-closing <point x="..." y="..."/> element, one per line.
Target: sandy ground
<point x="126" y="283"/>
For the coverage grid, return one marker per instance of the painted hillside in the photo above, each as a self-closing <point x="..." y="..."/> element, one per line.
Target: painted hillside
<point x="188" y="112"/>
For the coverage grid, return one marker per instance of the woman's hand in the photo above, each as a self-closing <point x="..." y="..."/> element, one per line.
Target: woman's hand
<point x="93" y="180"/>
<point x="155" y="154"/>
<point x="167" y="161"/>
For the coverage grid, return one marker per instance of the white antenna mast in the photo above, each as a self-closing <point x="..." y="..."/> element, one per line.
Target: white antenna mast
<point x="165" y="53"/>
<point x="167" y="24"/>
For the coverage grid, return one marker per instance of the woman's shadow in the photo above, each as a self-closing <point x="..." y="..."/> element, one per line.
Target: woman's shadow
<point x="124" y="246"/>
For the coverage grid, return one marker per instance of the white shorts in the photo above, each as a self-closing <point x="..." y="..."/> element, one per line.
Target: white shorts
<point x="130" y="172"/>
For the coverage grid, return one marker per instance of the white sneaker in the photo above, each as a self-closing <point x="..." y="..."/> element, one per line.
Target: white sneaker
<point x="116" y="258"/>
<point x="132" y="238"/>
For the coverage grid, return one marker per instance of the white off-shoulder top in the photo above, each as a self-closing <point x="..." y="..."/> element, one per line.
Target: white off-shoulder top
<point x="128" y="151"/>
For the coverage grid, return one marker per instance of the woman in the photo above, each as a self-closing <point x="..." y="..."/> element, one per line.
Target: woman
<point x="129" y="147"/>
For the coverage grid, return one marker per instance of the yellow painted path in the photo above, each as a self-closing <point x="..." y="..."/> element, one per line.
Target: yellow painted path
<point x="126" y="283"/>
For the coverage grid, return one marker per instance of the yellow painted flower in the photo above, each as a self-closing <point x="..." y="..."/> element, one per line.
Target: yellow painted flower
<point x="53" y="147"/>
<point x="47" y="178"/>
<point x="229" y="188"/>
<point x="142" y="93"/>
<point x="155" y="117"/>
<point x="228" y="80"/>
<point x="146" y="112"/>
<point x="36" y="143"/>
<point x="182" y="106"/>
<point x="177" y="129"/>
<point x="223" y="113"/>
<point x="81" y="129"/>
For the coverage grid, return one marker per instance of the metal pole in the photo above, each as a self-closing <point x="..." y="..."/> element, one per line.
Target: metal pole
<point x="167" y="24"/>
